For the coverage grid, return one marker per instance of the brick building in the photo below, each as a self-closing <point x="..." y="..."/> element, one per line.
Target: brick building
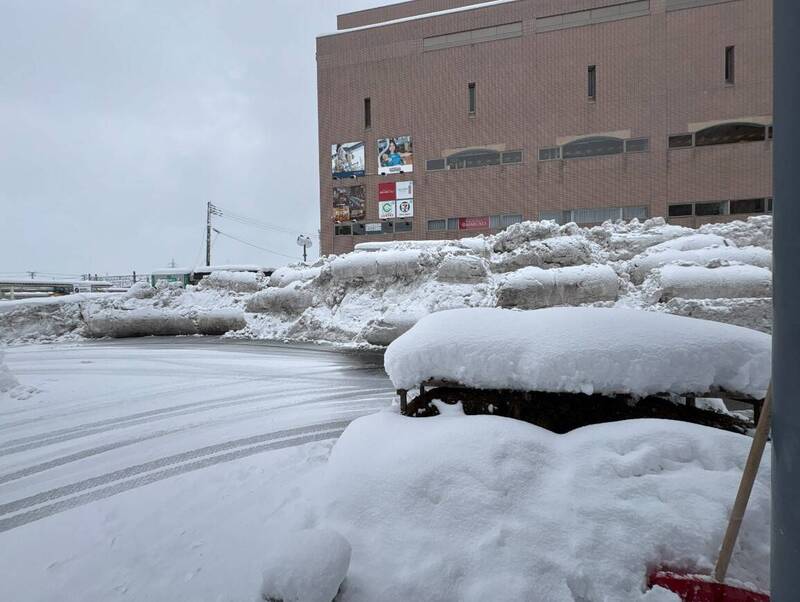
<point x="487" y="113"/>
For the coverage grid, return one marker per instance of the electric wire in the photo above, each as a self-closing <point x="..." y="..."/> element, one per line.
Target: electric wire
<point x="253" y="245"/>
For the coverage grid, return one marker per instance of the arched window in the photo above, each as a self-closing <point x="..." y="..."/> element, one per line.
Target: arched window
<point x="593" y="147"/>
<point x="730" y="133"/>
<point x="474" y="157"/>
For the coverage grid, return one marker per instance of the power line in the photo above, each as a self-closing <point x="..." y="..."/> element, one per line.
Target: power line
<point x="243" y="219"/>
<point x="253" y="245"/>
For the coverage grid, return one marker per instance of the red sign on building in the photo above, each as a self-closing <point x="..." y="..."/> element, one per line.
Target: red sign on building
<point x="387" y="191"/>
<point x="473" y="223"/>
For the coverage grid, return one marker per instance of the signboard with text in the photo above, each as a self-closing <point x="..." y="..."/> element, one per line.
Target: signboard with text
<point x="473" y="223"/>
<point x="387" y="209"/>
<point x="405" y="208"/>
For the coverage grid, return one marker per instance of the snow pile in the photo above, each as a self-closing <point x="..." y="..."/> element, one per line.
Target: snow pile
<point x="532" y="287"/>
<point x="9" y="385"/>
<point x="240" y="282"/>
<point x="148" y="321"/>
<point x="310" y="568"/>
<point x="370" y="266"/>
<point x="696" y="282"/>
<point x="292" y="299"/>
<point x="642" y="264"/>
<point x="478" y="508"/>
<point x="7" y="380"/>
<point x="288" y="274"/>
<point x="375" y="293"/>
<point x="581" y="350"/>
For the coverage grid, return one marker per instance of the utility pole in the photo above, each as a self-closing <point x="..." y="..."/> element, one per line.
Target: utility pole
<point x="208" y="234"/>
<point x="785" y="523"/>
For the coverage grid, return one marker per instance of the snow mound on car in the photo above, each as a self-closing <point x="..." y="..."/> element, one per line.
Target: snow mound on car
<point x="581" y="350"/>
<point x="478" y="508"/>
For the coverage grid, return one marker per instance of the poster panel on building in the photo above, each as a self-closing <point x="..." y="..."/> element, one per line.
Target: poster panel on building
<point x="395" y="155"/>
<point x="347" y="160"/>
<point x="374" y="228"/>
<point x="387" y="209"/>
<point x="387" y="191"/>
<point x="405" y="208"/>
<point x="349" y="203"/>
<point x="404" y="190"/>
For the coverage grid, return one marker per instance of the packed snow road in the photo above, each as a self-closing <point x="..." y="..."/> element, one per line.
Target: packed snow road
<point x="124" y="449"/>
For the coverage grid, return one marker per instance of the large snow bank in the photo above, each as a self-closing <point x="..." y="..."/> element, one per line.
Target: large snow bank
<point x="310" y="568"/>
<point x="581" y="350"/>
<point x="532" y="287"/>
<point x="353" y="298"/>
<point x="477" y="508"/>
<point x="697" y="282"/>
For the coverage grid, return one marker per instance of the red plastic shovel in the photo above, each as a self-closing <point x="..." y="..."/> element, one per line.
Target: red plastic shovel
<point x="702" y="588"/>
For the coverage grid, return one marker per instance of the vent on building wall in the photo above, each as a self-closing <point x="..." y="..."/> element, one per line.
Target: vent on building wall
<point x="595" y="15"/>
<point x="473" y="36"/>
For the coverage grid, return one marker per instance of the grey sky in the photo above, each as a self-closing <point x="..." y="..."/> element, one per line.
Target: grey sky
<point x="119" y="120"/>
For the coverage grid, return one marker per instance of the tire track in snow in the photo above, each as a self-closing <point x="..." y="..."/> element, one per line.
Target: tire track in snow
<point x="44" y="439"/>
<point x="336" y="426"/>
<point x="33" y="515"/>
<point x="161" y="462"/>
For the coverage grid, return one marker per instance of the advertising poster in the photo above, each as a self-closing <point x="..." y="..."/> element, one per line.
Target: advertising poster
<point x="349" y="203"/>
<point x="347" y="160"/>
<point x="395" y="191"/>
<point x="395" y="155"/>
<point x="404" y="190"/>
<point x="374" y="228"/>
<point x="405" y="208"/>
<point x="387" y="209"/>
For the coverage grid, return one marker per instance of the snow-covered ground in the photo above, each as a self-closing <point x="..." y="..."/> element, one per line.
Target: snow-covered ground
<point x="718" y="272"/>
<point x="159" y="469"/>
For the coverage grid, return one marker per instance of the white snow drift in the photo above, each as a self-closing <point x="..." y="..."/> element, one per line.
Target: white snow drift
<point x="477" y="508"/>
<point x="581" y="350"/>
<point x="532" y="287"/>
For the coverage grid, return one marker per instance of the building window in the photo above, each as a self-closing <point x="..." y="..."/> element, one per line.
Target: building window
<point x="550" y="154"/>
<point x="403" y="226"/>
<point x="344" y="230"/>
<point x="592" y="147"/>
<point x="681" y="141"/>
<point x="637" y="145"/>
<point x="507" y="220"/>
<point x="713" y="208"/>
<point x="769" y="132"/>
<point x="748" y="206"/>
<point x="730" y="133"/>
<point x="452" y="223"/>
<point x="359" y="229"/>
<point x="729" y="64"/>
<point x="769" y="205"/>
<point x="437" y="224"/>
<point x="511" y="157"/>
<point x="471" y="97"/>
<point x="592" y="82"/>
<point x="367" y="113"/>
<point x="387" y="227"/>
<point x="434" y="164"/>
<point x="595" y="215"/>
<point x="680" y="210"/>
<point x="473" y="158"/>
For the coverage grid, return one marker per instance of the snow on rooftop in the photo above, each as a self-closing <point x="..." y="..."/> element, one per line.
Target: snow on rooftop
<point x="438" y="13"/>
<point x="581" y="350"/>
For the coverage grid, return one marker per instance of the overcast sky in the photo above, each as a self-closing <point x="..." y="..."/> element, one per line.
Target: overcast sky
<point x="120" y="119"/>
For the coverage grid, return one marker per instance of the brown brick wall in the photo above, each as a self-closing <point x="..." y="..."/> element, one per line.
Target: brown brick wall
<point x="656" y="75"/>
